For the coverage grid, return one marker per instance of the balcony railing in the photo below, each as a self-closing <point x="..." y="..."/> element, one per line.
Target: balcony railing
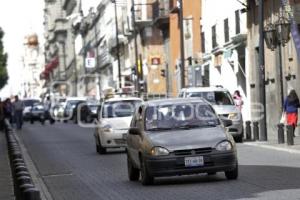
<point x="161" y="12"/>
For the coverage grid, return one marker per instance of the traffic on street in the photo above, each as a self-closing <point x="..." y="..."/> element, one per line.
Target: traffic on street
<point x="65" y="157"/>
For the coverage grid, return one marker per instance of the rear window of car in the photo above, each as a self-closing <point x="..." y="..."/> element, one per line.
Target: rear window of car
<point x="119" y="108"/>
<point x="214" y="97"/>
<point x="30" y="102"/>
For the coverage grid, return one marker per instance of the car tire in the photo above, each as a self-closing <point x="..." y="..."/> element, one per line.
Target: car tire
<point x="233" y="174"/>
<point x="100" y="149"/>
<point x="133" y="173"/>
<point x="31" y="121"/>
<point x="146" y="178"/>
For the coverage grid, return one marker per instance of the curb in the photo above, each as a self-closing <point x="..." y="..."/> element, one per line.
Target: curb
<point x="268" y="146"/>
<point x="23" y="184"/>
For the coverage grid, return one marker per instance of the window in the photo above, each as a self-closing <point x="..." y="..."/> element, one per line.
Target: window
<point x="214" y="36"/>
<point x="226" y="30"/>
<point x="180" y="115"/>
<point x="237" y="22"/>
<point x="203" y="42"/>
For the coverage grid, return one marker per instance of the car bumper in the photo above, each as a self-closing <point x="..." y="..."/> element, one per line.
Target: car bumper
<point x="236" y="129"/>
<point x="114" y="139"/>
<point x="174" y="165"/>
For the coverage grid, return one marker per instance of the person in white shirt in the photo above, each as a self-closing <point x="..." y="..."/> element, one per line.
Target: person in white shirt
<point x="18" y="107"/>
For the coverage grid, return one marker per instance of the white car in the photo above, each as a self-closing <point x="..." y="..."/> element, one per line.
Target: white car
<point x="223" y="103"/>
<point x="114" y="121"/>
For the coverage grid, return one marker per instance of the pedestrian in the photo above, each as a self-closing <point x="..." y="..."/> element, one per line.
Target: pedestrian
<point x="8" y="110"/>
<point x="238" y="99"/>
<point x="290" y="108"/>
<point x="1" y="115"/>
<point x="18" y="107"/>
<point x="48" y="107"/>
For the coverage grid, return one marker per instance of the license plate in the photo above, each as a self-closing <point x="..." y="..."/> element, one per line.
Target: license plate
<point x="194" y="161"/>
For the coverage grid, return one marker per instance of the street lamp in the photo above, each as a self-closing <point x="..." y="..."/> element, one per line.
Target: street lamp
<point x="277" y="35"/>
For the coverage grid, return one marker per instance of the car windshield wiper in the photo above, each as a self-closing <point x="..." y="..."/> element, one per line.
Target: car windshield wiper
<point x="194" y="125"/>
<point x="158" y="129"/>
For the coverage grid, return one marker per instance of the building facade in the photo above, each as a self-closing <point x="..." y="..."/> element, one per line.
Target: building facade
<point x="224" y="48"/>
<point x="33" y="60"/>
<point x="281" y="62"/>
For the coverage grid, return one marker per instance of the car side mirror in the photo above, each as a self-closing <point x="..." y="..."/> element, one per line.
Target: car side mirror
<point x="134" y="131"/>
<point x="227" y="122"/>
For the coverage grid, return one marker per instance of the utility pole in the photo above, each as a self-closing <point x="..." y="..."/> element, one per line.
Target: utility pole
<point x="182" y="67"/>
<point x="135" y="48"/>
<point x="118" y="47"/>
<point x="263" y="125"/>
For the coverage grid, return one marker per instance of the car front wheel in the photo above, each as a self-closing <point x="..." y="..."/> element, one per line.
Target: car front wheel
<point x="146" y="178"/>
<point x="100" y="149"/>
<point x="133" y="173"/>
<point x="233" y="174"/>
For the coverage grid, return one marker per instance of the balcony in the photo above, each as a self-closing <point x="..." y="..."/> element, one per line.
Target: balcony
<point x="60" y="26"/>
<point x="143" y="15"/>
<point x="161" y="12"/>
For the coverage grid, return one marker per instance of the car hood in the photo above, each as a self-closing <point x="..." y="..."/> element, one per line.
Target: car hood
<point x="188" y="139"/>
<point x="117" y="122"/>
<point x="221" y="109"/>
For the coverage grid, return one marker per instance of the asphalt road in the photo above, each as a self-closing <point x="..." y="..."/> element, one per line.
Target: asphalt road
<point x="65" y="155"/>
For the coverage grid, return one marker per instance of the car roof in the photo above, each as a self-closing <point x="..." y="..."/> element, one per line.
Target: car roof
<point x="204" y="89"/>
<point x="176" y="101"/>
<point x="123" y="99"/>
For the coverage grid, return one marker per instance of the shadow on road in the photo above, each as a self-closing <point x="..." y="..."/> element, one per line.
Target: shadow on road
<point x="253" y="180"/>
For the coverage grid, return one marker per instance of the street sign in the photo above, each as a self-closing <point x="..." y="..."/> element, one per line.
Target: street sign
<point x="90" y="62"/>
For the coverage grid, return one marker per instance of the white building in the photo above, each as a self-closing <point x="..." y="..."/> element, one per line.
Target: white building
<point x="33" y="60"/>
<point x="224" y="40"/>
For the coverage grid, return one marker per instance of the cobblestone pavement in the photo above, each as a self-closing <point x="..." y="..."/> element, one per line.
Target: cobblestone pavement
<point x="6" y="183"/>
<point x="66" y="158"/>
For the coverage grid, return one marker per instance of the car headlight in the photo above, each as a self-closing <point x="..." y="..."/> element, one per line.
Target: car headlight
<point x="233" y="116"/>
<point x="107" y="129"/>
<point x="159" y="151"/>
<point x="224" y="146"/>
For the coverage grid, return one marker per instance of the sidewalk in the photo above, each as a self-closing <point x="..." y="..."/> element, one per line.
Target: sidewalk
<point x="6" y="183"/>
<point x="272" y="143"/>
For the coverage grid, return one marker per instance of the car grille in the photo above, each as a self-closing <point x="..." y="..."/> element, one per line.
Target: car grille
<point x="192" y="151"/>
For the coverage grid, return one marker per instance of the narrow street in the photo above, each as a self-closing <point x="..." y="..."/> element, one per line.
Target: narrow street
<point x="66" y="158"/>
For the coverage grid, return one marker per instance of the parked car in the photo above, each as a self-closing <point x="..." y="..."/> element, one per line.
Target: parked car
<point x="223" y="103"/>
<point x="114" y="120"/>
<point x="28" y="104"/>
<point x="178" y="137"/>
<point x="37" y="113"/>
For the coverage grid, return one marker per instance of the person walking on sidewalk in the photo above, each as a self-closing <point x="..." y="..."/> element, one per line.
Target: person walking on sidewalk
<point x="18" y="107"/>
<point x="238" y="100"/>
<point x="290" y="108"/>
<point x="8" y="110"/>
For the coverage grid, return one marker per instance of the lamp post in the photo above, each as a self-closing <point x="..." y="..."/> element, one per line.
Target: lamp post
<point x="277" y="35"/>
<point x="261" y="70"/>
<point x="137" y="85"/>
<point x="118" y="47"/>
<point x="182" y="67"/>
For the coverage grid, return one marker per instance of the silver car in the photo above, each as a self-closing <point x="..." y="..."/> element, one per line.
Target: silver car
<point x="178" y="137"/>
<point x="223" y="103"/>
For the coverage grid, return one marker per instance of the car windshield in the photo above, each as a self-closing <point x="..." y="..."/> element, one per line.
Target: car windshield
<point x="30" y="102"/>
<point x="215" y="98"/>
<point x="123" y="108"/>
<point x="176" y="116"/>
